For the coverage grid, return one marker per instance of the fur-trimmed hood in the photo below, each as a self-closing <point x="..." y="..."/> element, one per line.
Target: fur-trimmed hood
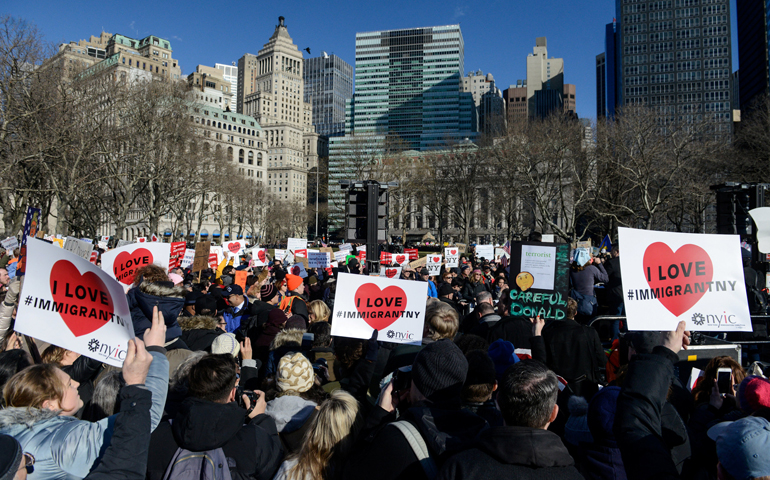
<point x="197" y="322"/>
<point x="163" y="289"/>
<point x="289" y="335"/>
<point x="24" y="417"/>
<point x="169" y="300"/>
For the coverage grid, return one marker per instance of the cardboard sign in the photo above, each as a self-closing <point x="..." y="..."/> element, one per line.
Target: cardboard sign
<point x="328" y="250"/>
<point x="258" y="257"/>
<point x="31" y="227"/>
<point x="452" y="255"/>
<point x="10" y="244"/>
<point x="81" y="248"/>
<point x="433" y="264"/>
<point x="201" y="260"/>
<point x="240" y="279"/>
<point x="177" y="254"/>
<point x="390" y="272"/>
<point x="318" y="260"/>
<point x="419" y="263"/>
<point x="544" y="290"/>
<point x="485" y="251"/>
<point x="234" y="247"/>
<point x="668" y="277"/>
<point x="188" y="259"/>
<point x="122" y="263"/>
<point x="71" y="303"/>
<point x="394" y="307"/>
<point x="413" y="253"/>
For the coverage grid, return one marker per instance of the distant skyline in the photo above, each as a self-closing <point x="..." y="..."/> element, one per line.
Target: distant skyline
<point x="498" y="34"/>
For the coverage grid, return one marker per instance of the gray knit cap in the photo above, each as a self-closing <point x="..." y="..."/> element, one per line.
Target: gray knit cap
<point x="439" y="371"/>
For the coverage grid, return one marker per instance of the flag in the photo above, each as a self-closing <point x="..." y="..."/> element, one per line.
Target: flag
<point x="606" y="245"/>
<point x="324" y="245"/>
<point x="507" y="247"/>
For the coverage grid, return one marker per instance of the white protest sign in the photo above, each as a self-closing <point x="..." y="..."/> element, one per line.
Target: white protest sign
<point x="80" y="248"/>
<point x="394" y="307"/>
<point x="547" y="238"/>
<point x="668" y="277"/>
<point x="390" y="272"/>
<point x="279" y="254"/>
<point x="258" y="257"/>
<point x="433" y="264"/>
<point x="500" y="253"/>
<point x="400" y="258"/>
<point x="10" y="243"/>
<point x="298" y="246"/>
<point x="217" y="249"/>
<point x="234" y="247"/>
<point x="340" y="255"/>
<point x="122" y="263"/>
<point x="11" y="269"/>
<point x="189" y="257"/>
<point x="346" y="246"/>
<point x="71" y="303"/>
<point x="761" y="217"/>
<point x="141" y="239"/>
<point x="122" y="242"/>
<point x="361" y="248"/>
<point x="452" y="255"/>
<point x="485" y="251"/>
<point x="318" y="259"/>
<point x="540" y="262"/>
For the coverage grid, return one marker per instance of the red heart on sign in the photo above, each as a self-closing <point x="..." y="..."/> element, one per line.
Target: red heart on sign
<point x="87" y="301"/>
<point x="400" y="259"/>
<point x="674" y="274"/>
<point x="391" y="272"/>
<point x="234" y="247"/>
<point x="261" y="256"/>
<point x="436" y="259"/>
<point x="126" y="264"/>
<point x="380" y="308"/>
<point x="453" y="252"/>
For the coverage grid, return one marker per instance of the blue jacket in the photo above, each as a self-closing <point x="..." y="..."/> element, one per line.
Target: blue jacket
<point x="234" y="320"/>
<point x="432" y="292"/>
<point x="67" y="448"/>
<point x="169" y="300"/>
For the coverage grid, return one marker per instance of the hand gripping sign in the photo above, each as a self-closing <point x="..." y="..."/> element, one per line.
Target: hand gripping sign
<point x="668" y="277"/>
<point x="71" y="303"/>
<point x="122" y="263"/>
<point x="394" y="307"/>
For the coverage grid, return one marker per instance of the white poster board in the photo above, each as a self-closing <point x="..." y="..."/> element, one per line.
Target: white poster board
<point x="279" y="254"/>
<point x="394" y="307"/>
<point x="433" y="264"/>
<point x="400" y="258"/>
<point x="452" y="255"/>
<point x="540" y="262"/>
<point x="390" y="272"/>
<point x="81" y="248"/>
<point x="235" y="247"/>
<point x="761" y="217"/>
<point x="668" y="277"/>
<point x="298" y="246"/>
<point x="485" y="251"/>
<point x="189" y="257"/>
<point x="258" y="257"/>
<point x="10" y="243"/>
<point x="340" y="255"/>
<point x="318" y="260"/>
<point x="71" y="303"/>
<point x="122" y="263"/>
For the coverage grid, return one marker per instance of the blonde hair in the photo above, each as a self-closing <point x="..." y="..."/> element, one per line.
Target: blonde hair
<point x="329" y="439"/>
<point x="441" y="321"/>
<point x="34" y="385"/>
<point x="320" y="310"/>
<point x="54" y="355"/>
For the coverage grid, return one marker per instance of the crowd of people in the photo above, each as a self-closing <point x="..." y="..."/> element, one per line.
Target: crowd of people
<point x="231" y="381"/>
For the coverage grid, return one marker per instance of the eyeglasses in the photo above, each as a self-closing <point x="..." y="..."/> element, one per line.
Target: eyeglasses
<point x="29" y="463"/>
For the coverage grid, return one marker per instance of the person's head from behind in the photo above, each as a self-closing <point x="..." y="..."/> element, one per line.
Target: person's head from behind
<point x="480" y="381"/>
<point x="615" y="252"/>
<point x="106" y="398"/>
<point x="43" y="386"/>
<point x="318" y="311"/>
<point x="441" y="321"/>
<point x="150" y="274"/>
<point x="527" y="395"/>
<point x="742" y="449"/>
<point x="535" y="237"/>
<point x="571" y="309"/>
<point x="15" y="464"/>
<point x="213" y="378"/>
<point x="484" y="297"/>
<point x="59" y="356"/>
<point x="322" y="337"/>
<point x="12" y="362"/>
<point x="438" y="373"/>
<point x="485" y="309"/>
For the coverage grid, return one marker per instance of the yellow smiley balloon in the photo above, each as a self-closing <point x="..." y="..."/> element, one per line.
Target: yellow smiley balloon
<point x="525" y="280"/>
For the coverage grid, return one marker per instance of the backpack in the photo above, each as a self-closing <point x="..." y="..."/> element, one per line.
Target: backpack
<point x="208" y="465"/>
<point x="419" y="448"/>
<point x="586" y="304"/>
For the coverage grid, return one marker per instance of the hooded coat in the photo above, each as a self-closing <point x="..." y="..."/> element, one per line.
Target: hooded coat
<point x="169" y="300"/>
<point x="199" y="331"/>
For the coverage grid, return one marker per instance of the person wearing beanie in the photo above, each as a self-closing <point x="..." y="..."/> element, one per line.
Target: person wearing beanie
<point x="295" y="301"/>
<point x="12" y="459"/>
<point x="503" y="354"/>
<point x="225" y="343"/>
<point x="576" y="430"/>
<point x="430" y="408"/>
<point x="189" y="303"/>
<point x="480" y="384"/>
<point x="754" y="394"/>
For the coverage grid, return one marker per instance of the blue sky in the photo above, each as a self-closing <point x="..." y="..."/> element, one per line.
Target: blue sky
<point x="498" y="34"/>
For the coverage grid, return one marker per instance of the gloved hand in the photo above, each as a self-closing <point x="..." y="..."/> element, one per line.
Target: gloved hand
<point x="372" y="347"/>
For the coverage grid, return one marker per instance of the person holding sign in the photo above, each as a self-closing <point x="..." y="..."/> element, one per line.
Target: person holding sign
<point x="41" y="399"/>
<point x="585" y="272"/>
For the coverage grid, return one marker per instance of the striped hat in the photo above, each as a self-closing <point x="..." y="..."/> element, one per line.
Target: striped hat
<point x="225" y="343"/>
<point x="295" y="374"/>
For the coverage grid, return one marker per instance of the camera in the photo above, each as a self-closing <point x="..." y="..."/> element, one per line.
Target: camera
<point x="402" y="379"/>
<point x="251" y="394"/>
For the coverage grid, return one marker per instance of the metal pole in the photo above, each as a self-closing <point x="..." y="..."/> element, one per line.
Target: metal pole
<point x="317" y="169"/>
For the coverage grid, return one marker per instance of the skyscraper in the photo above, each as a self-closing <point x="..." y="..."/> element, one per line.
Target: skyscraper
<point x="753" y="50"/>
<point x="488" y="99"/>
<point x="601" y="85"/>
<point x="328" y="85"/>
<point x="230" y="73"/>
<point x="675" y="57"/>
<point x="546" y="90"/>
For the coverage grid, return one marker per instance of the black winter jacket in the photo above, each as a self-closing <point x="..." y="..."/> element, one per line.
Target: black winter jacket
<point x="513" y="452"/>
<point x="169" y="300"/>
<point x="199" y="331"/>
<point x="575" y="352"/>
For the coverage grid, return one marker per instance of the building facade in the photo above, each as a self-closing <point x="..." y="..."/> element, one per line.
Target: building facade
<point x="753" y="17"/>
<point x="209" y="87"/>
<point x="488" y="99"/>
<point x="543" y="73"/>
<point x="328" y="85"/>
<point x="601" y="85"/>
<point x="515" y="98"/>
<point x="230" y="73"/>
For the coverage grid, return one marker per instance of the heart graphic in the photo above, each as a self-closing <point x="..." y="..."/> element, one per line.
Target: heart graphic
<point x="453" y="252"/>
<point x="87" y="303"/>
<point x="400" y="259"/>
<point x="234" y="247"/>
<point x="436" y="259"/>
<point x="380" y="308"/>
<point x="261" y="256"/>
<point x="675" y="275"/>
<point x="391" y="272"/>
<point x="126" y="264"/>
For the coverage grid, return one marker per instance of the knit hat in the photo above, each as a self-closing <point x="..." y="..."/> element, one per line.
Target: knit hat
<point x="481" y="368"/>
<point x="754" y="393"/>
<point x="576" y="429"/>
<point x="643" y="342"/>
<point x="294" y="281"/>
<point x="445" y="289"/>
<point x="10" y="457"/>
<point x="267" y="292"/>
<point x="276" y="316"/>
<point x="295" y="374"/>
<point x="296" y="321"/>
<point x="439" y="371"/>
<point x="503" y="353"/>
<point x="280" y="274"/>
<point x="225" y="343"/>
<point x="204" y="303"/>
<point x="312" y="280"/>
<point x="192" y="297"/>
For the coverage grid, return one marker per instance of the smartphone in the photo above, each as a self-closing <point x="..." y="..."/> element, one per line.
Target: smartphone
<point x="402" y="379"/>
<point x="724" y="380"/>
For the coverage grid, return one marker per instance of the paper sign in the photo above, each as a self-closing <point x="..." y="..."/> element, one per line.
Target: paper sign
<point x="10" y="244"/>
<point x="59" y="242"/>
<point x="240" y="279"/>
<point x="499" y="254"/>
<point x="217" y="250"/>
<point x="361" y="248"/>
<point x="11" y="269"/>
<point x="668" y="277"/>
<point x="361" y="255"/>
<point x="122" y="242"/>
<point x="141" y="239"/>
<point x="279" y="254"/>
<point x="547" y="238"/>
<point x="201" y="260"/>
<point x="122" y="263"/>
<point x="346" y="246"/>
<point x="177" y="254"/>
<point x="340" y="255"/>
<point x="433" y="264"/>
<point x="485" y="251"/>
<point x="94" y="257"/>
<point x="234" y="247"/>
<point x="540" y="262"/>
<point x="295" y="244"/>
<point x="213" y="261"/>
<point x="80" y="248"/>
<point x="258" y="257"/>
<point x="390" y="272"/>
<point x="386" y="258"/>
<point x="530" y="301"/>
<point x="71" y="303"/>
<point x="394" y="307"/>
<point x="104" y="238"/>
<point x="413" y="253"/>
<point x="318" y="260"/>
<point x="452" y="255"/>
<point x="189" y="257"/>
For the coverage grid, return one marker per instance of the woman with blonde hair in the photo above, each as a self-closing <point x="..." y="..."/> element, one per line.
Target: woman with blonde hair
<point x="318" y="311"/>
<point x="327" y="442"/>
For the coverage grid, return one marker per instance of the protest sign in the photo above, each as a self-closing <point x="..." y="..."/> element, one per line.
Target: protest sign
<point x="189" y="257"/>
<point x="104" y="238"/>
<point x="361" y="255"/>
<point x="31" y="224"/>
<point x="761" y="217"/>
<point x="340" y="255"/>
<point x="94" y="257"/>
<point x="177" y="254"/>
<point x="500" y="253"/>
<point x="298" y="246"/>
<point x="201" y="259"/>
<point x="386" y="258"/>
<point x="668" y="277"/>
<point x="394" y="307"/>
<point x="400" y="259"/>
<point x="154" y="238"/>
<point x="122" y="242"/>
<point x="213" y="260"/>
<point x="11" y="269"/>
<point x="412" y="252"/>
<point x="361" y="248"/>
<point x="318" y="260"/>
<point x="240" y="279"/>
<point x="122" y="263"/>
<point x="301" y="260"/>
<point x="258" y="257"/>
<point x="141" y="239"/>
<point x="220" y="255"/>
<point x="59" y="242"/>
<point x="10" y="244"/>
<point x="419" y="263"/>
<point x="547" y="238"/>
<point x="279" y="254"/>
<point x="346" y="246"/>
<point x="433" y="264"/>
<point x="73" y="304"/>
<point x="234" y="247"/>
<point x="328" y="250"/>
<point x="486" y="252"/>
<point x="80" y="248"/>
<point x="452" y="255"/>
<point x="539" y="284"/>
<point x="390" y="272"/>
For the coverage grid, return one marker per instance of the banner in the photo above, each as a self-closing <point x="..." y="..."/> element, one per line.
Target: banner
<point x="318" y="260"/>
<point x="122" y="263"/>
<point x="668" y="277"/>
<point x="486" y="252"/>
<point x="390" y="272"/>
<point x="178" y="250"/>
<point x="10" y="244"/>
<point x="81" y="248"/>
<point x="394" y="307"/>
<point x="433" y="264"/>
<point x="452" y="255"/>
<point x="71" y="303"/>
<point x="539" y="283"/>
<point x="189" y="257"/>
<point x="413" y="253"/>
<point x="31" y="226"/>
